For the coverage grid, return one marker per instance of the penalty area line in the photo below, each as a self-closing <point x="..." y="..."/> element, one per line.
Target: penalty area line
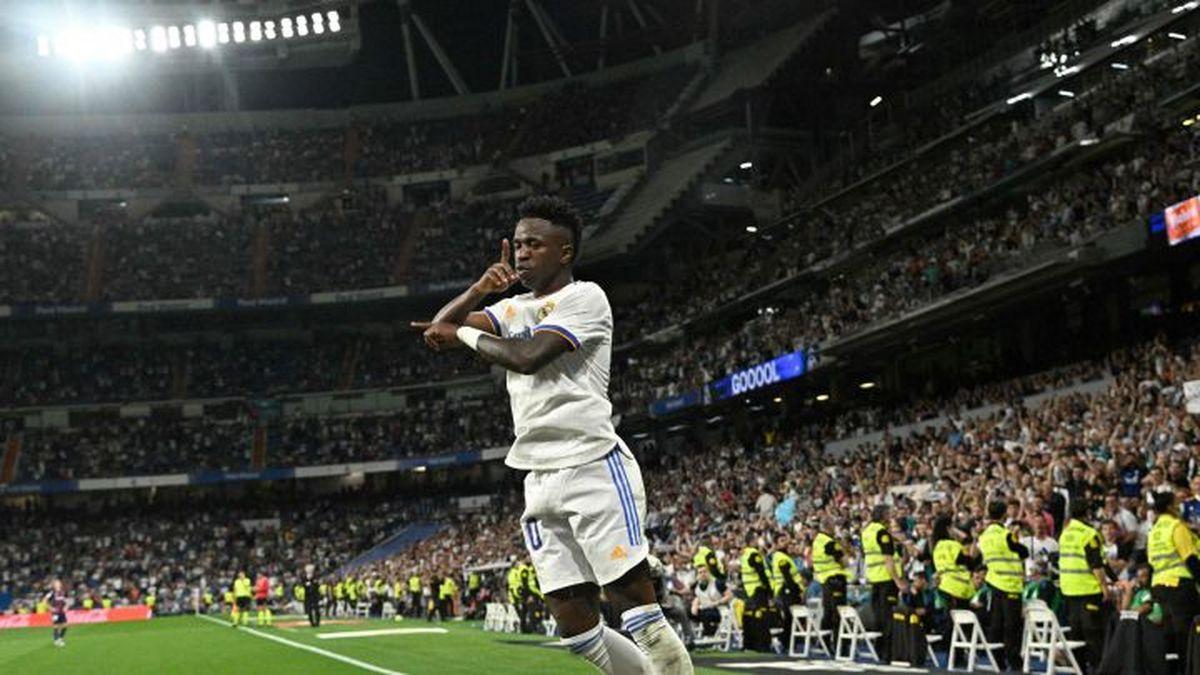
<point x="308" y="648"/>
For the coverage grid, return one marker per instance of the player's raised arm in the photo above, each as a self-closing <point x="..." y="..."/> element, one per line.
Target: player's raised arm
<point x="497" y="278"/>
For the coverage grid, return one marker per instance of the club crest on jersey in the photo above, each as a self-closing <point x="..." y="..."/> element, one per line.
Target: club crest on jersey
<point x="544" y="310"/>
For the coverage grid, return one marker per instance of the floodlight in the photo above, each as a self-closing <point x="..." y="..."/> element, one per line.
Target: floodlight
<point x="255" y="31"/>
<point x="239" y="32"/>
<point x="285" y="28"/>
<point x="173" y="37"/>
<point x="158" y="39"/>
<point x="206" y="31"/>
<point x="189" y="35"/>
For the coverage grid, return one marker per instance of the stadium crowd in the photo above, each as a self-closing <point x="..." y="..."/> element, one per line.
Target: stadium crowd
<point x="167" y="552"/>
<point x="956" y="255"/>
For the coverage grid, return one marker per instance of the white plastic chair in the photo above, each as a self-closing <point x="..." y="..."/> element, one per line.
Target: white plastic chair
<point x="729" y="633"/>
<point x="550" y="626"/>
<point x="930" y="641"/>
<point x="807" y="626"/>
<point x="968" y="634"/>
<point x="512" y="620"/>
<point x="852" y="630"/>
<point x="388" y="611"/>
<point x="362" y="609"/>
<point x="1046" y="640"/>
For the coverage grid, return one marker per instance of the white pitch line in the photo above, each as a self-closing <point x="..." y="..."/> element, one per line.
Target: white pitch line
<point x="308" y="648"/>
<point x="382" y="631"/>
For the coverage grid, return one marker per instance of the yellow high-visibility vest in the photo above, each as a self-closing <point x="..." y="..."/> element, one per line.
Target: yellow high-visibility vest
<point x="877" y="572"/>
<point x="825" y="566"/>
<point x="751" y="581"/>
<point x="1005" y="570"/>
<point x="1168" y="565"/>
<point x="1075" y="577"/>
<point x="953" y="579"/>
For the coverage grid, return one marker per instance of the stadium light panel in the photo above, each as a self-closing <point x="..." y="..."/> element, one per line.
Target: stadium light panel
<point x="206" y="32"/>
<point x="239" y="32"/>
<point x="255" y="31"/>
<point x="746" y="165"/>
<point x="173" y="37"/>
<point x="302" y="25"/>
<point x="1127" y="40"/>
<point x="1085" y="142"/>
<point x="1177" y="36"/>
<point x="189" y="35"/>
<point x="778" y="399"/>
<point x="1120" y="66"/>
<point x="1066" y="94"/>
<point x="223" y="33"/>
<point x="821" y="398"/>
<point x="867" y="385"/>
<point x="158" y="39"/>
<point x="335" y="21"/>
<point x="1023" y="96"/>
<point x="139" y="40"/>
<point x="751" y="229"/>
<point x="318" y="23"/>
<point x="876" y="101"/>
<point x="285" y="28"/>
<point x="269" y="30"/>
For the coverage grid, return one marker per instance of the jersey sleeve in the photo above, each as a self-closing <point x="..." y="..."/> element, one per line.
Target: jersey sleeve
<point x="495" y="313"/>
<point x="580" y="318"/>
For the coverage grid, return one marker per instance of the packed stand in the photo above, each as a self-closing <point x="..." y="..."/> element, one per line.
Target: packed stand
<point x="44" y="262"/>
<point x="169" y="551"/>
<point x="958" y="256"/>
<point x="99" y="162"/>
<point x="89" y="373"/>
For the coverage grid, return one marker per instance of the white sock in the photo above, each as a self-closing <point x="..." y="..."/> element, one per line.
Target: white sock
<point x="591" y="646"/>
<point x="655" y="636"/>
<point x="627" y="658"/>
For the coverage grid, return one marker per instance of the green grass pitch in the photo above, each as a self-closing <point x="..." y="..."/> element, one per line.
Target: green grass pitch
<point x="188" y="644"/>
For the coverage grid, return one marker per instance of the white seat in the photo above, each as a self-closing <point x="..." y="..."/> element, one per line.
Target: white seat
<point x="512" y="620"/>
<point x="968" y="634"/>
<point x="389" y="610"/>
<point x="362" y="609"/>
<point x="807" y="626"/>
<point x="852" y="630"/>
<point x="729" y="633"/>
<point x="930" y="641"/>
<point x="1046" y="640"/>
<point x="550" y="626"/>
<point x="489" y="616"/>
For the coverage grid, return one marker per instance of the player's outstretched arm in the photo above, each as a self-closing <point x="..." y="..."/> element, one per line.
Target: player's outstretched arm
<point x="518" y="355"/>
<point x="497" y="278"/>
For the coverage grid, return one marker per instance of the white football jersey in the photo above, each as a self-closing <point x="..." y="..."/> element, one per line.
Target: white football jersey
<point x="561" y="414"/>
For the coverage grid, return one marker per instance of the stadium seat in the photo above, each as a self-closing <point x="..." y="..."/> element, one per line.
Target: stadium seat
<point x="807" y="626"/>
<point x="968" y="634"/>
<point x="1045" y="640"/>
<point x="550" y="626"/>
<point x="852" y="630"/>
<point x="729" y="633"/>
<point x="512" y="620"/>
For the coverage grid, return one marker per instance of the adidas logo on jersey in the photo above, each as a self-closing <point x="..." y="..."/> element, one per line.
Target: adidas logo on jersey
<point x="618" y="553"/>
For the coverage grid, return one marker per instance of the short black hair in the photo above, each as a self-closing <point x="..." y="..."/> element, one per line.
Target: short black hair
<point x="997" y="510"/>
<point x="558" y="212"/>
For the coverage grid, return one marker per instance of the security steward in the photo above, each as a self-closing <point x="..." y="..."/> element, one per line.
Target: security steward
<point x="706" y="557"/>
<point x="312" y="595"/>
<point x="1004" y="557"/>
<point x="414" y="594"/>
<point x="953" y="564"/>
<point x="785" y="578"/>
<point x="884" y="573"/>
<point x="756" y="583"/>
<point x="1081" y="574"/>
<point x="1173" y="555"/>
<point x="829" y="569"/>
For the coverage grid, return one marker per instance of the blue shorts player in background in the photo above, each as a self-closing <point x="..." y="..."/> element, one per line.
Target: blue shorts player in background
<point x="584" y="500"/>
<point x="56" y="599"/>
